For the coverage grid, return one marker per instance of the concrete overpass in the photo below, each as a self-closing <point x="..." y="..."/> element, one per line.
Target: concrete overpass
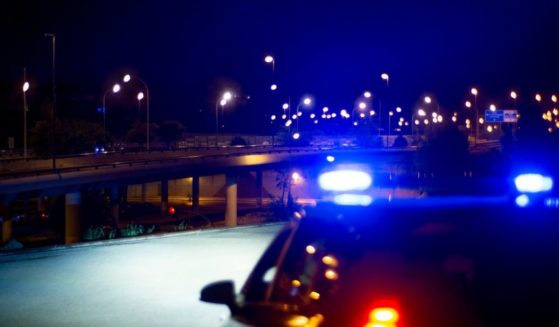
<point x="115" y="172"/>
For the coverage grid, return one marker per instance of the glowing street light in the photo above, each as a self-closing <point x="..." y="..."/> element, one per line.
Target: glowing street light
<point x="270" y="60"/>
<point x="127" y="78"/>
<point x="398" y="109"/>
<point x="538" y="97"/>
<point x="285" y="106"/>
<point x="554" y="98"/>
<point x="140" y="97"/>
<point x="114" y="89"/>
<point x="468" y="104"/>
<point x="385" y="77"/>
<point x="362" y="105"/>
<point x="493" y="107"/>
<point x="513" y="95"/>
<point x="25" y="88"/>
<point x="273" y="87"/>
<point x="421" y="112"/>
<point x="307" y="101"/>
<point x="427" y="99"/>
<point x="220" y="102"/>
<point x="474" y="92"/>
<point x="367" y="94"/>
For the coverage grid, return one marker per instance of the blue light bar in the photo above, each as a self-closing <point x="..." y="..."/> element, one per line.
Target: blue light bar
<point x="345" y="180"/>
<point x="353" y="199"/>
<point x="533" y="183"/>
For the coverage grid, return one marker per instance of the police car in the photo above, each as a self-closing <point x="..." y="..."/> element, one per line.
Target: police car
<point x="452" y="261"/>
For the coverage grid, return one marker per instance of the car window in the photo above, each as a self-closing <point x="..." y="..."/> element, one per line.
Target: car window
<point x="265" y="271"/>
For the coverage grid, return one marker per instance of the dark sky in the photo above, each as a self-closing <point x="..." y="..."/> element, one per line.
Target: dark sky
<point x="189" y="51"/>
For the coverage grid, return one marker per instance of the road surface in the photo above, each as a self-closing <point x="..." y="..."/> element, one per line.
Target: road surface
<point x="148" y="282"/>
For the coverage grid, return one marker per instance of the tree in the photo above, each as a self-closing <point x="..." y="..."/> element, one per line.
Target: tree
<point x="137" y="132"/>
<point x="72" y="136"/>
<point x="169" y="132"/>
<point x="445" y="153"/>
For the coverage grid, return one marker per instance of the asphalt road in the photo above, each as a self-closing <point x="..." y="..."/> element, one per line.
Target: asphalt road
<point x="149" y="282"/>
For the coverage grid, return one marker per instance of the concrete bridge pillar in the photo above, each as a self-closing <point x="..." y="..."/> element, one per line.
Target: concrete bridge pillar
<point x="115" y="204"/>
<point x="231" y="200"/>
<point x="72" y="227"/>
<point x="195" y="192"/>
<point x="259" y="189"/>
<point x="164" y="197"/>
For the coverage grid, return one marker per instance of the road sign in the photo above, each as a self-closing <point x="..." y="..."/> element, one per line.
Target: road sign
<point x="510" y="116"/>
<point x="494" y="116"/>
<point x="501" y="116"/>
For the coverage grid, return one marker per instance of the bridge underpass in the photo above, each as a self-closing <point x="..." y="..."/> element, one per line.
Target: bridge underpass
<point x="226" y="172"/>
<point x="150" y="282"/>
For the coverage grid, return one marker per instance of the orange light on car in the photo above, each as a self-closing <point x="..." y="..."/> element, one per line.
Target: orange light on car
<point x="383" y="317"/>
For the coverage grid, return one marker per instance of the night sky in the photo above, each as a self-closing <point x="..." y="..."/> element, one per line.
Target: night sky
<point x="189" y="52"/>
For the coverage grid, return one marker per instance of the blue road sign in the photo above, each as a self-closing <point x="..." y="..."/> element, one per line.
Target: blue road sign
<point x="501" y="116"/>
<point x="497" y="116"/>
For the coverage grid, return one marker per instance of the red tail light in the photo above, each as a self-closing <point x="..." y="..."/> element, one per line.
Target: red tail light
<point x="383" y="317"/>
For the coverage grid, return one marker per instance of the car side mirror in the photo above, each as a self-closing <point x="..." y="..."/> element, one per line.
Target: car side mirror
<point x="220" y="293"/>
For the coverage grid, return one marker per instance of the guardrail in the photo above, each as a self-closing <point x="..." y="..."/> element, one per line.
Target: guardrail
<point x="140" y="162"/>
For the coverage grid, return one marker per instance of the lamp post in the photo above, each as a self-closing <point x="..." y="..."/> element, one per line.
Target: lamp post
<point x="140" y="97"/>
<point x="513" y="96"/>
<point x="114" y="89"/>
<point x="25" y="88"/>
<point x="306" y="102"/>
<point x="270" y="60"/>
<point x="390" y="114"/>
<point x="224" y="99"/>
<point x="475" y="93"/>
<point x="385" y="77"/>
<point x="53" y="108"/>
<point x="127" y="79"/>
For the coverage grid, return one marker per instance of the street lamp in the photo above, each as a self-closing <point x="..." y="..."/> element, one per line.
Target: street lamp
<point x="25" y="88"/>
<point x="306" y="102"/>
<point x="475" y="93"/>
<point x="270" y="60"/>
<point x="224" y="99"/>
<point x="367" y="94"/>
<point x="53" y="108"/>
<point x="127" y="78"/>
<point x="114" y="89"/>
<point x="390" y="114"/>
<point x="385" y="77"/>
<point x="538" y="97"/>
<point x="140" y="97"/>
<point x="513" y="96"/>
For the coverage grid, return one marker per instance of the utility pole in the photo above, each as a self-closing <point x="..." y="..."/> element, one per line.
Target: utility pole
<point x="53" y="108"/>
